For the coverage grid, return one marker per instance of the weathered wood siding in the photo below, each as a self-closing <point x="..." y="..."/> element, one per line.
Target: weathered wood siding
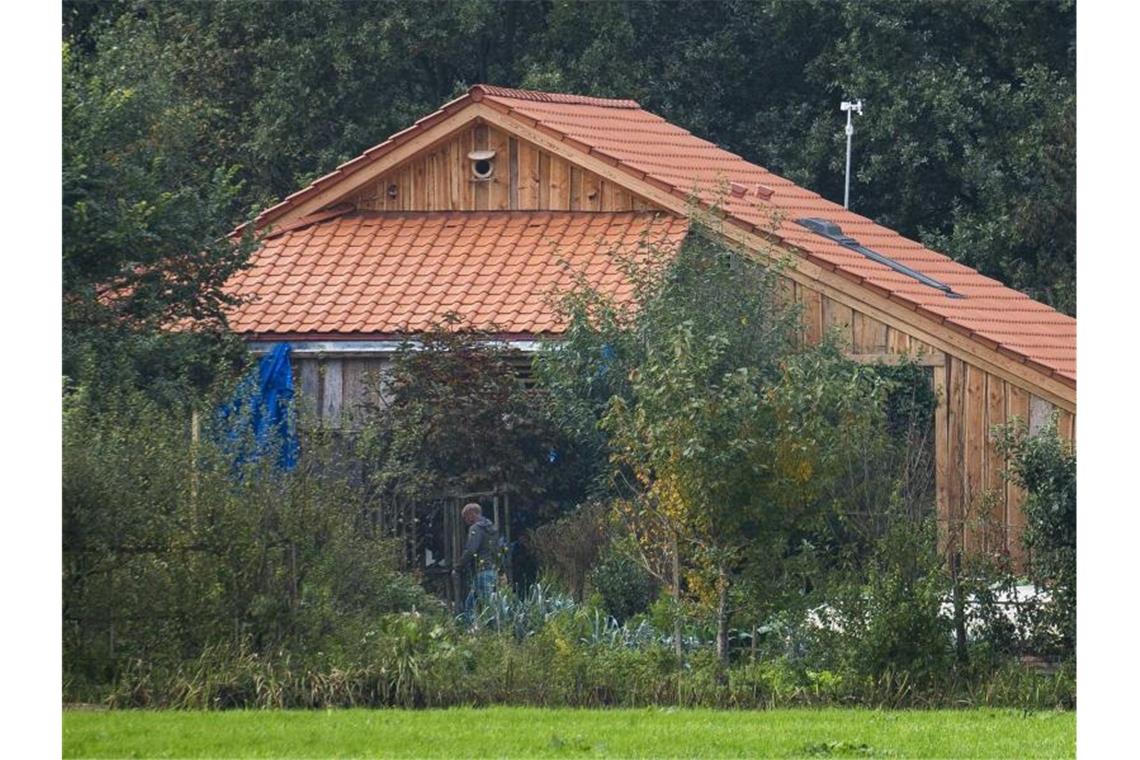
<point x="978" y="509"/>
<point x="334" y="392"/>
<point x="525" y="177"/>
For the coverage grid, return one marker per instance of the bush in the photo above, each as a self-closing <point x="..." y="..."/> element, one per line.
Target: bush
<point x="170" y="552"/>
<point x="1046" y="467"/>
<point x="568" y="547"/>
<point x="887" y="618"/>
<point x="620" y="580"/>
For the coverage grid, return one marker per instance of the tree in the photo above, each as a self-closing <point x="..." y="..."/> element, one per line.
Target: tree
<point x="145" y="222"/>
<point x="452" y="417"/>
<point x="968" y="143"/>
<point x="729" y="431"/>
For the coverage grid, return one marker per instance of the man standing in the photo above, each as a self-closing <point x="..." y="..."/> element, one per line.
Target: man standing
<point x="481" y="553"/>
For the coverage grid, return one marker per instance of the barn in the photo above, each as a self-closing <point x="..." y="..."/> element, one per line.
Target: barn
<point x="476" y="209"/>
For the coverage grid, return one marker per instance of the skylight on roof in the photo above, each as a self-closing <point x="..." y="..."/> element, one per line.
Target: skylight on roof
<point x="834" y="233"/>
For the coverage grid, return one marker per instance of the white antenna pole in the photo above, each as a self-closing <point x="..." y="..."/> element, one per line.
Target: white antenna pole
<point x="857" y="107"/>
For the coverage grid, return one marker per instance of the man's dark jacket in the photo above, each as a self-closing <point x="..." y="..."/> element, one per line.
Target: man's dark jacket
<point x="482" y="545"/>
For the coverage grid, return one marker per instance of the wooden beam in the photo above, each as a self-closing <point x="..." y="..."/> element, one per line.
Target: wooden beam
<point x="943" y="510"/>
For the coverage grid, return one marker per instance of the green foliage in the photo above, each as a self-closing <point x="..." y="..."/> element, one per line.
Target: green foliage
<point x="544" y="650"/>
<point x="968" y="142"/>
<point x="888" y="621"/>
<point x="726" y="436"/>
<point x="454" y="418"/>
<point x="1046" y="467"/>
<point x="167" y="555"/>
<point x="619" y="579"/>
<point x="146" y="213"/>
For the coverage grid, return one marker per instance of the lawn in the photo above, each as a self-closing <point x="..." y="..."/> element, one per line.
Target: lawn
<point x="531" y="732"/>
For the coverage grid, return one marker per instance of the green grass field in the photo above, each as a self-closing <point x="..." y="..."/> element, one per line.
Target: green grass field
<point x="529" y="732"/>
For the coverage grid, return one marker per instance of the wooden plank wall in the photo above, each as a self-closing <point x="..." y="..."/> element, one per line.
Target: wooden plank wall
<point x="979" y="510"/>
<point x="525" y="178"/>
<point x="334" y="392"/>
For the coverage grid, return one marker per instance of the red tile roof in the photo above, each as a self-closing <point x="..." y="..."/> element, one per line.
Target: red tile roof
<point x="650" y="149"/>
<point x="396" y="273"/>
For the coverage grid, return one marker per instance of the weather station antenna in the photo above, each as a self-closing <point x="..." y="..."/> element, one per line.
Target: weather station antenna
<point x="857" y="107"/>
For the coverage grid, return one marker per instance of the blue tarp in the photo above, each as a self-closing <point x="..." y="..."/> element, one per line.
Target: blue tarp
<point x="259" y="419"/>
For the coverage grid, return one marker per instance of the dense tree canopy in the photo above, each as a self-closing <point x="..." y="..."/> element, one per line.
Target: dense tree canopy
<point x="967" y="143"/>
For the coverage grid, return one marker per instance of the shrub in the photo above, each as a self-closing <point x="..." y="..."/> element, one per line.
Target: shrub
<point x="168" y="554"/>
<point x="887" y="618"/>
<point x="568" y="547"/>
<point x="620" y="580"/>
<point x="1046" y="467"/>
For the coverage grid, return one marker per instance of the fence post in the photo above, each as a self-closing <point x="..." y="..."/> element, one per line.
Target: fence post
<point x="959" y="609"/>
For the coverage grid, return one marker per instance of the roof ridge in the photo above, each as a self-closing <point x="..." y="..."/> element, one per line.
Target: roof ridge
<point x="537" y="96"/>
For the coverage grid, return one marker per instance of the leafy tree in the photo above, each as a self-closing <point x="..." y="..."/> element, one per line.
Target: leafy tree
<point x="968" y="143"/>
<point x="452" y="417"/>
<point x="726" y="433"/>
<point x="145" y="223"/>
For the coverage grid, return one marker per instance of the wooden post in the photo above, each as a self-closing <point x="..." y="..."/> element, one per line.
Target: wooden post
<point x="195" y="433"/>
<point x="959" y="609"/>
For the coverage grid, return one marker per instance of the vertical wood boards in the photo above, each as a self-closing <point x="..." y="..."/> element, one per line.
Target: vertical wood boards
<point x="525" y="178"/>
<point x="575" y="187"/>
<point x="955" y="449"/>
<point x="591" y="199"/>
<point x="838" y="317"/>
<point x="529" y="177"/>
<point x="544" y="180"/>
<point x="943" y="510"/>
<point x="332" y="391"/>
<point x="457" y="179"/>
<point x="499" y="188"/>
<point x="559" y="183"/>
<point x="515" y="181"/>
<point x="812" y="315"/>
<point x="1017" y="405"/>
<point x="993" y="465"/>
<point x="1067" y="426"/>
<point x="480" y="188"/>
<point x="359" y="383"/>
<point x="786" y="291"/>
<point x="898" y="342"/>
<point x="973" y="416"/>
<point x="868" y="336"/>
<point x="310" y="385"/>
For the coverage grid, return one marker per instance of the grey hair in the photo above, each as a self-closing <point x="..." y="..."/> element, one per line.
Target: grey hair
<point x="472" y="508"/>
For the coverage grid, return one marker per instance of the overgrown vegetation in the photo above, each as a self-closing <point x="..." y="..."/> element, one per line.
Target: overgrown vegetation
<point x="742" y="526"/>
<point x="1046" y="467"/>
<point x="717" y="514"/>
<point x="170" y="558"/>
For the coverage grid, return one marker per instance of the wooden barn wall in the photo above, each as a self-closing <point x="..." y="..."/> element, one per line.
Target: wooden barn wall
<point x="334" y="392"/>
<point x="978" y="509"/>
<point x="525" y="178"/>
